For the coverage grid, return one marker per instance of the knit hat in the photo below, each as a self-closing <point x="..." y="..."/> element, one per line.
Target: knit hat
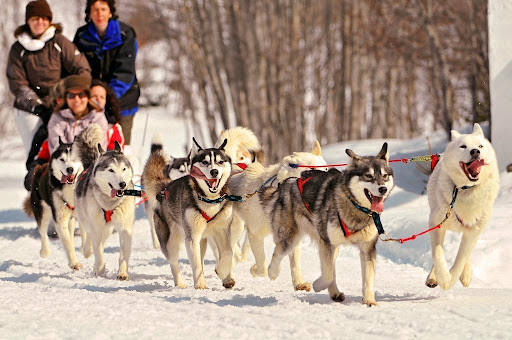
<point x="76" y="82"/>
<point x="38" y="8"/>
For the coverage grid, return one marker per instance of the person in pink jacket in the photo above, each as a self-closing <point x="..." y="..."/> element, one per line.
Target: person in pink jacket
<point x="77" y="113"/>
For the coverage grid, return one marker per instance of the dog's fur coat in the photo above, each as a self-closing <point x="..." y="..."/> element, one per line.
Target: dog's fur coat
<point x="182" y="217"/>
<point x="317" y="212"/>
<point x="101" y="206"/>
<point x="469" y="160"/>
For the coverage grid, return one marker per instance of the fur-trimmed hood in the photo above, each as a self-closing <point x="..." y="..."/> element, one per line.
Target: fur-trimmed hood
<point x="30" y="43"/>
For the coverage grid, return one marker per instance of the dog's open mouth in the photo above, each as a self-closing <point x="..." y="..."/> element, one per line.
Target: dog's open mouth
<point x="115" y="192"/>
<point x="213" y="184"/>
<point x="67" y="179"/>
<point x="377" y="202"/>
<point x="472" y="169"/>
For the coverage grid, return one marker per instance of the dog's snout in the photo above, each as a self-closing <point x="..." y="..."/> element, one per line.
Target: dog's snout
<point x="122" y="185"/>
<point x="214" y="172"/>
<point x="69" y="170"/>
<point x="475" y="153"/>
<point x="383" y="190"/>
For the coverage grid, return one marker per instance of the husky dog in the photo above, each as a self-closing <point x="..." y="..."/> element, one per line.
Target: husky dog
<point x="328" y="206"/>
<point x="101" y="206"/>
<point x="467" y="172"/>
<point x="257" y="221"/>
<point x="243" y="147"/>
<point x="192" y="209"/>
<point x="52" y="197"/>
<point x="173" y="169"/>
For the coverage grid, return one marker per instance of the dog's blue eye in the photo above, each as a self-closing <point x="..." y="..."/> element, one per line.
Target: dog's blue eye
<point x="463" y="146"/>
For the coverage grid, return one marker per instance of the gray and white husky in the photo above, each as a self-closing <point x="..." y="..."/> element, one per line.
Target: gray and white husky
<point x="52" y="196"/>
<point x="173" y="169"/>
<point x="192" y="209"/>
<point x="328" y="206"/>
<point x="469" y="166"/>
<point x="101" y="206"/>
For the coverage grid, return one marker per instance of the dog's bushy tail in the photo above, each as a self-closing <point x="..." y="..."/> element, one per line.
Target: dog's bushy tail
<point x="153" y="178"/>
<point x="86" y="144"/>
<point x="156" y="143"/>
<point x="27" y="206"/>
<point x="27" y="203"/>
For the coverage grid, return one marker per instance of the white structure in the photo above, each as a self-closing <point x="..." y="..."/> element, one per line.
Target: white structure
<point x="500" y="77"/>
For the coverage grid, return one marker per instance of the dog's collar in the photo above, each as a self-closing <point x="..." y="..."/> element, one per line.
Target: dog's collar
<point x="225" y="197"/>
<point x="69" y="206"/>
<point x="375" y="215"/>
<point x="456" y="191"/>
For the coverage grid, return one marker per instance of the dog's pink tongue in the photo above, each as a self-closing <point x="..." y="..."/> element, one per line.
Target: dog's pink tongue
<point x="63" y="179"/>
<point x="113" y="193"/>
<point x="196" y="173"/>
<point x="474" y="167"/>
<point x="378" y="204"/>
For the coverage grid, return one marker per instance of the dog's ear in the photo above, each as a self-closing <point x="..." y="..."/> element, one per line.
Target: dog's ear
<point x="117" y="147"/>
<point x="60" y="141"/>
<point x="353" y="155"/>
<point x="189" y="154"/>
<point x="196" y="146"/>
<point x="477" y="130"/>
<point x="383" y="153"/>
<point x="455" y="134"/>
<point x="100" y="149"/>
<point x="221" y="147"/>
<point x="317" y="150"/>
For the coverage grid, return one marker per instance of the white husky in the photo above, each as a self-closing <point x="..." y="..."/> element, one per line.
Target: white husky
<point x="468" y="172"/>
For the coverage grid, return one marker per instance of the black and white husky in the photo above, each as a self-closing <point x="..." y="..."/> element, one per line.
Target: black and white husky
<point x="52" y="194"/>
<point x="174" y="168"/>
<point x="192" y="209"/>
<point x="102" y="206"/>
<point x="333" y="208"/>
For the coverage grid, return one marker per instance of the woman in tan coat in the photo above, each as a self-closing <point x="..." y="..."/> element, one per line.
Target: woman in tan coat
<point x="37" y="60"/>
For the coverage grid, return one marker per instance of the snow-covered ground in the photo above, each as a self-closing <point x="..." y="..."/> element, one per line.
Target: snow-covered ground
<point x="43" y="298"/>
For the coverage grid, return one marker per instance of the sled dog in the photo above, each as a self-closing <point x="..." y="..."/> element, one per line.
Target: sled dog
<point x="243" y="147"/>
<point x="191" y="209"/>
<point x="327" y="206"/>
<point x="257" y="221"/>
<point x="468" y="172"/>
<point x="173" y="169"/>
<point x="101" y="206"/>
<point x="52" y="196"/>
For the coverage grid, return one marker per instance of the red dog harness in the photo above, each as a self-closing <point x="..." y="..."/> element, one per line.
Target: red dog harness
<point x="300" y="184"/>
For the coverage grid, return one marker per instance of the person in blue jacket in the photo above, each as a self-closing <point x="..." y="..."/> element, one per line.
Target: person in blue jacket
<point x="110" y="46"/>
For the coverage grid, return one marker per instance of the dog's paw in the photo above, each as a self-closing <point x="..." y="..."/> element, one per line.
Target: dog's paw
<point x="466" y="276"/>
<point x="256" y="272"/>
<point x="443" y="278"/>
<point x="123" y="277"/>
<point x="228" y="283"/>
<point x="369" y="302"/>
<point x="200" y="286"/>
<point x="320" y="285"/>
<point x="99" y="270"/>
<point x="86" y="252"/>
<point x="45" y="252"/>
<point x="338" y="297"/>
<point x="303" y="286"/>
<point x="273" y="271"/>
<point x="76" y="266"/>
<point x="431" y="283"/>
<point x="181" y="285"/>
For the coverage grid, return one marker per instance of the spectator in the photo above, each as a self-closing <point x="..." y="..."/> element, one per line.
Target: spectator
<point x="110" y="46"/>
<point x="37" y="60"/>
<point x="104" y="96"/>
<point x="77" y="113"/>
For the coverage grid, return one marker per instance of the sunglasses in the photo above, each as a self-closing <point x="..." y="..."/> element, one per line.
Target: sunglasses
<point x="81" y="95"/>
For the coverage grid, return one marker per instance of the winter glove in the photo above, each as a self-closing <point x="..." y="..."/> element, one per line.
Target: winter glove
<point x="42" y="112"/>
